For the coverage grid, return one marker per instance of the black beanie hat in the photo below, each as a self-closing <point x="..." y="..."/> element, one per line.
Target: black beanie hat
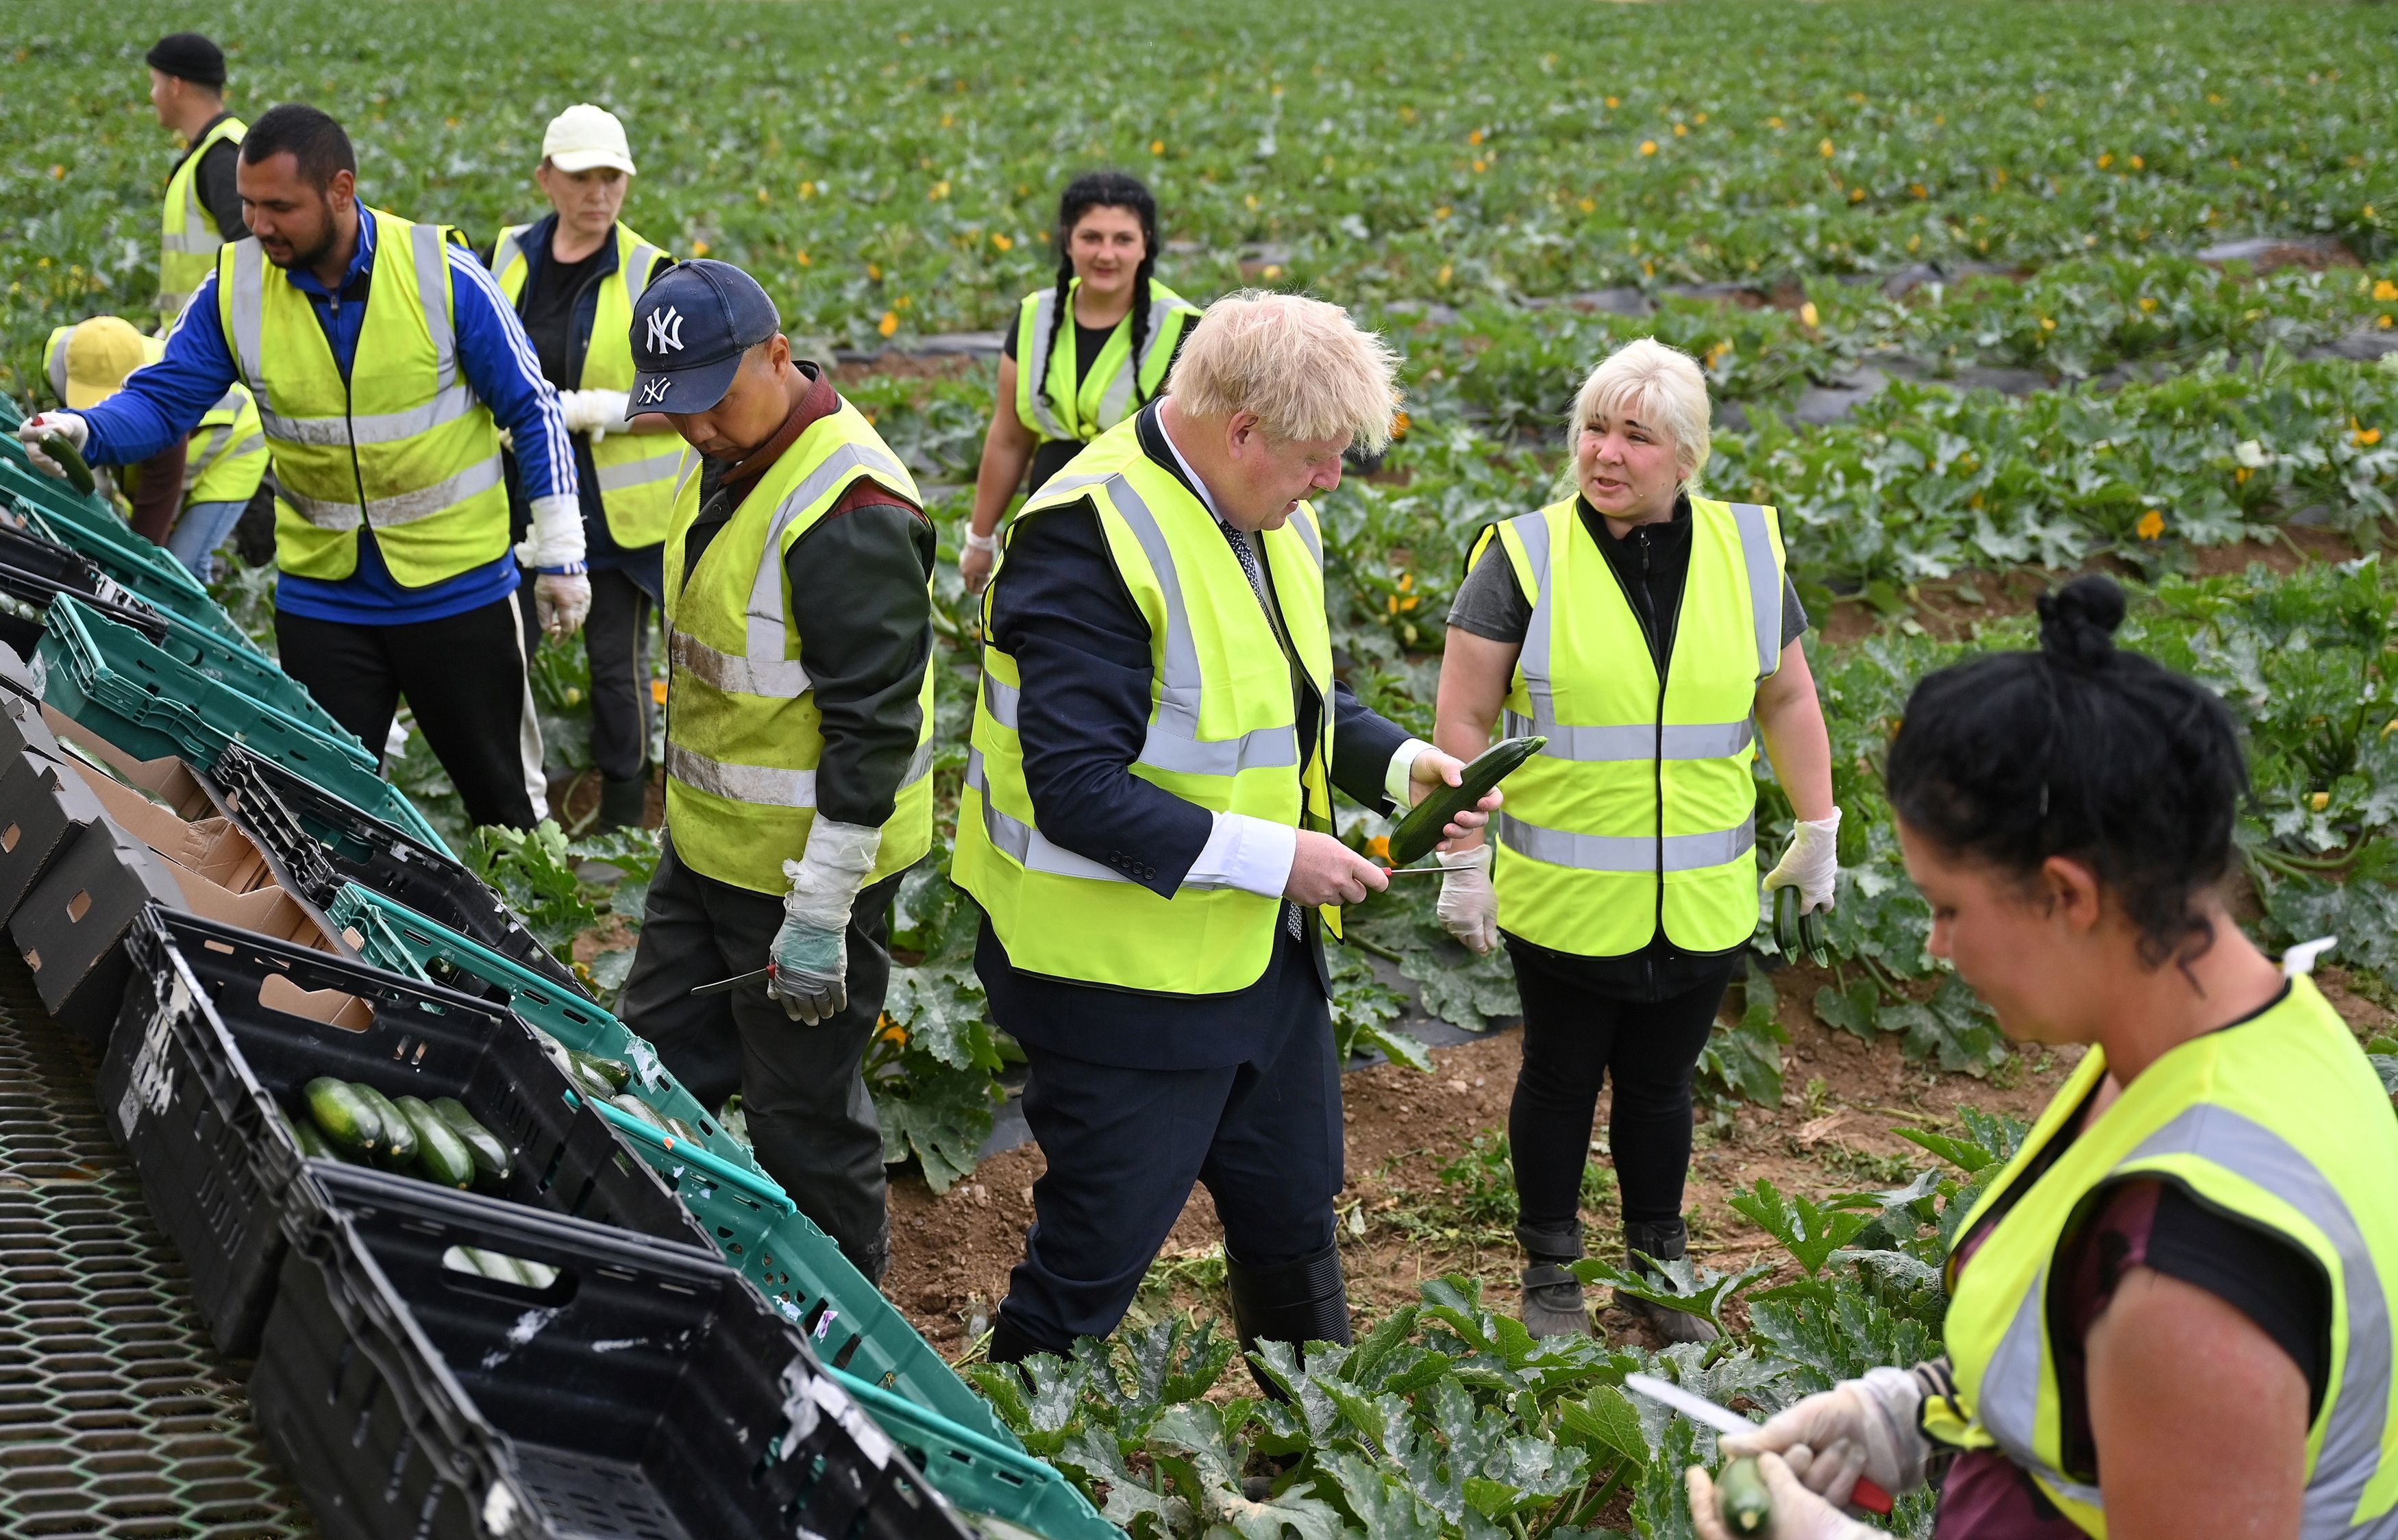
<point x="188" y="56"/>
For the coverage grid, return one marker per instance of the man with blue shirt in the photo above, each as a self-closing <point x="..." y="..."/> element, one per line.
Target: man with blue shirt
<point x="385" y="365"/>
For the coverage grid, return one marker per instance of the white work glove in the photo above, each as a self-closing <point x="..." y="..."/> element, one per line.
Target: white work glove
<point x="597" y="412"/>
<point x="561" y="601"/>
<point x="1868" y="1427"/>
<point x="556" y="539"/>
<point x="66" y="424"/>
<point x="811" y="952"/>
<point x="1811" y="863"/>
<point x="977" y="560"/>
<point x="1799" y="1514"/>
<point x="1468" y="909"/>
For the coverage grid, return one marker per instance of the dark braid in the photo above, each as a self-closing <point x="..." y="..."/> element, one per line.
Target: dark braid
<point x="1101" y="190"/>
<point x="1140" y="323"/>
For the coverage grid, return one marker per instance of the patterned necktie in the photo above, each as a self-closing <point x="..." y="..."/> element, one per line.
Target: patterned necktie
<point x="1248" y="558"/>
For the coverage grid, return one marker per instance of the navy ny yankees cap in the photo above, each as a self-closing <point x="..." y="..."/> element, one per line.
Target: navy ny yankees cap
<point x="694" y="322"/>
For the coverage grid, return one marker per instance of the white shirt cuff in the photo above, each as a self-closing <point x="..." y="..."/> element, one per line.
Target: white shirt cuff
<point x="1253" y="854"/>
<point x="1403" y="765"/>
<point x="556" y="536"/>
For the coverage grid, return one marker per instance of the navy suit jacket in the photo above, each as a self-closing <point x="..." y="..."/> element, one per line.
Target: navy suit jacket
<point x="1082" y="649"/>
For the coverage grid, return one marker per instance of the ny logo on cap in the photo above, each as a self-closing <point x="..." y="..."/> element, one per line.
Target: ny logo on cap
<point x="655" y="390"/>
<point x="666" y="329"/>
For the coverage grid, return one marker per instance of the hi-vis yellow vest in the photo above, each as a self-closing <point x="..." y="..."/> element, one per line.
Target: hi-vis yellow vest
<point x="1642" y="810"/>
<point x="402" y="445"/>
<point x="1223" y="734"/>
<point x="637" y="471"/>
<point x="225" y="458"/>
<point x="188" y="235"/>
<point x="2280" y="1123"/>
<point x="1117" y="384"/>
<point x="743" y="732"/>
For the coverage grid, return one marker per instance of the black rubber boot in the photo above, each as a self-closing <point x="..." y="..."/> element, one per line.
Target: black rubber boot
<point x="1010" y="1342"/>
<point x="1294" y="1302"/>
<point x="1666" y="1242"/>
<point x="622" y="804"/>
<point x="1552" y="1302"/>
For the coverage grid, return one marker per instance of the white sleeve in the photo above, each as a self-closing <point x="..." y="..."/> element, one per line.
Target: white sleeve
<point x="1403" y="764"/>
<point x="1253" y="854"/>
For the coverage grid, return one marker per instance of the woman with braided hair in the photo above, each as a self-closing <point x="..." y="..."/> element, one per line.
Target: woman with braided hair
<point x="1062" y="385"/>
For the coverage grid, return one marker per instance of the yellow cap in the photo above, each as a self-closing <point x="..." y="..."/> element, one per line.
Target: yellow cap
<point x="101" y="354"/>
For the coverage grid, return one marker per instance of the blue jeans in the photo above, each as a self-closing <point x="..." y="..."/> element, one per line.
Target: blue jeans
<point x="199" y="530"/>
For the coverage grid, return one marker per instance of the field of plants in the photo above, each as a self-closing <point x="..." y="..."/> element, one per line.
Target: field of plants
<point x="1989" y="293"/>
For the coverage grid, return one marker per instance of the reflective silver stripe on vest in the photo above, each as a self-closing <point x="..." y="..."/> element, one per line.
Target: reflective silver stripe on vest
<point x="757" y="784"/>
<point x="777" y="678"/>
<point x="1309" y="537"/>
<point x="2008" y="1403"/>
<point x="766" y="625"/>
<point x="1174" y="743"/>
<point x="1026" y="845"/>
<point x="1638" y="743"/>
<point x="248" y="302"/>
<point x="196" y="462"/>
<point x="1116" y="404"/>
<point x="1627" y="852"/>
<point x="384" y="513"/>
<point x="191" y="246"/>
<point x="1764" y="585"/>
<point x="508" y="249"/>
<point x="645" y="258"/>
<point x="1000" y="702"/>
<point x="57" y="365"/>
<point x="1044" y="337"/>
<point x="433" y="293"/>
<point x="622" y="474"/>
<point x="393" y="427"/>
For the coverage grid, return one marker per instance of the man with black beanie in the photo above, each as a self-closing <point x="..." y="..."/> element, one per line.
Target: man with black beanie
<point x="187" y="76"/>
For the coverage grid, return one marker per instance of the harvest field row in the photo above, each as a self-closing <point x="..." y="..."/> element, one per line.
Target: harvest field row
<point x="1942" y="195"/>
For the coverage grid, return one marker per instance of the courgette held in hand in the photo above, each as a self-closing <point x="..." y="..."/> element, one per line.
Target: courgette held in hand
<point x="1416" y="833"/>
<point x="1742" y="1499"/>
<point x="1795" y="933"/>
<point x="70" y="459"/>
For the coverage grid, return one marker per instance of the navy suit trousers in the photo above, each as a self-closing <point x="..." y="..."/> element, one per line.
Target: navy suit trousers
<point x="1124" y="1146"/>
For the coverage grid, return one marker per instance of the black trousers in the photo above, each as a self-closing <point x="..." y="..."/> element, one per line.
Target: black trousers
<point x="1124" y="1145"/>
<point x="810" y="1116"/>
<point x="616" y="642"/>
<point x="1574" y="1038"/>
<point x="464" y="678"/>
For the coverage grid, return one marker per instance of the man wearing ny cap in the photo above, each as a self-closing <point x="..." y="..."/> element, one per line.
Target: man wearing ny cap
<point x="187" y="77"/>
<point x="797" y="577"/>
<point x="384" y="365"/>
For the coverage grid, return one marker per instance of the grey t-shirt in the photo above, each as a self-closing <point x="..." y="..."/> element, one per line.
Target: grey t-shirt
<point x="1490" y="603"/>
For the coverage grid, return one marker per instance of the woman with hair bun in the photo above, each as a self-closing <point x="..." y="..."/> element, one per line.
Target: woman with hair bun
<point x="1062" y="385"/>
<point x="2170" y="1314"/>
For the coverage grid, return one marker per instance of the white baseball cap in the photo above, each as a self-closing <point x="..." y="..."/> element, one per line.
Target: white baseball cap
<point x="583" y="137"/>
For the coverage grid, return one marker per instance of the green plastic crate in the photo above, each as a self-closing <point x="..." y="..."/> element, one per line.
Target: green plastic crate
<point x="91" y="526"/>
<point x="794" y="1263"/>
<point x="127" y="558"/>
<point x="110" y="679"/>
<point x="980" y="1475"/>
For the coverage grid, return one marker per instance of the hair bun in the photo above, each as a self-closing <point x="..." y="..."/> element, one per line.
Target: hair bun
<point x="2078" y="621"/>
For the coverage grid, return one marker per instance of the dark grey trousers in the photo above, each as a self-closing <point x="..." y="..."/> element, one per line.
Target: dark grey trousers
<point x="810" y="1116"/>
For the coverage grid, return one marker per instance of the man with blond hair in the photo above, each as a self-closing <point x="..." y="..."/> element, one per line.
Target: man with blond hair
<point x="1147" y="824"/>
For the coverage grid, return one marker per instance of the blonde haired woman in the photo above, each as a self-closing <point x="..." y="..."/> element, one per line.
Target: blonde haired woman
<point x="1642" y="628"/>
<point x="1147" y="824"/>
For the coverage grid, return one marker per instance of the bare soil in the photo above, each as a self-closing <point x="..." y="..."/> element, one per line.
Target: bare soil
<point x="1401" y="1222"/>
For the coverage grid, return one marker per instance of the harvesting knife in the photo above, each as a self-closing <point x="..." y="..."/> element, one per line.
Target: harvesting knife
<point x="736" y="981"/>
<point x="1699" y="1410"/>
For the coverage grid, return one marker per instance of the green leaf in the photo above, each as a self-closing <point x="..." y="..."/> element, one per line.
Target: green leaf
<point x="940" y="1116"/>
<point x="1809" y="1231"/>
<point x="1855" y="1011"/>
<point x="1605" y="1419"/>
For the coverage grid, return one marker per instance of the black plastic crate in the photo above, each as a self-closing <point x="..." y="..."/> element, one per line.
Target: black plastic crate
<point x="325" y="842"/>
<point x="33" y="572"/>
<point x="71" y="926"/>
<point x="212" y="1043"/>
<point x="645" y="1393"/>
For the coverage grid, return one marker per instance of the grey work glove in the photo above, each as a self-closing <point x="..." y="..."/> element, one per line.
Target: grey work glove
<point x="811" y="952"/>
<point x="560" y="601"/>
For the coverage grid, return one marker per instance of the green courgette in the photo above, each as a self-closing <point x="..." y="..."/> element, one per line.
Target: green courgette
<point x="441" y="1155"/>
<point x="684" y="1132"/>
<point x="399" y="1141"/>
<point x="70" y="459"/>
<point x="304" y="1134"/>
<point x="618" y="1076"/>
<point x="638" y="1109"/>
<point x="490" y="1152"/>
<point x="1798" y="933"/>
<point x="1415" y="835"/>
<point x="347" y="1120"/>
<point x="1742" y="1500"/>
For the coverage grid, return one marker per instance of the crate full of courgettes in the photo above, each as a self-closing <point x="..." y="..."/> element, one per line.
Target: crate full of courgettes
<point x="239" y="1059"/>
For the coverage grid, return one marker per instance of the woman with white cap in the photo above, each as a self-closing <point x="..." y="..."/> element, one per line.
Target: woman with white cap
<point x="574" y="276"/>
